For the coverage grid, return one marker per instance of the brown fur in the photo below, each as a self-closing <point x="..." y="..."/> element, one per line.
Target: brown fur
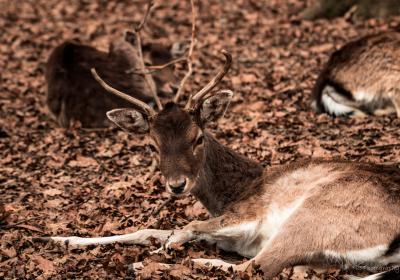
<point x="369" y="65"/>
<point x="216" y="167"/>
<point x="340" y="215"/>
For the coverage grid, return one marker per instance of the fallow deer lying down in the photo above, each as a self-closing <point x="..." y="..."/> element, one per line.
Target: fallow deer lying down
<point x="74" y="95"/>
<point x="362" y="78"/>
<point x="310" y="213"/>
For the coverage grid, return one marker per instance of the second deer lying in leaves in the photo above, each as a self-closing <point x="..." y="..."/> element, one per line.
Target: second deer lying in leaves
<point x="362" y="78"/>
<point x="310" y="213"/>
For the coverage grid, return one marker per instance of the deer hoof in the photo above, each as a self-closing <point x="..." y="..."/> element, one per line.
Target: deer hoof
<point x="157" y="251"/>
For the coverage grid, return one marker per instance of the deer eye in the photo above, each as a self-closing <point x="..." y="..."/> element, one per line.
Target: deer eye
<point x="153" y="148"/>
<point x="199" y="141"/>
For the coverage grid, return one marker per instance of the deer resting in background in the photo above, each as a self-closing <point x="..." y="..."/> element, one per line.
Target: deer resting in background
<point x="310" y="213"/>
<point x="74" y="95"/>
<point x="362" y="78"/>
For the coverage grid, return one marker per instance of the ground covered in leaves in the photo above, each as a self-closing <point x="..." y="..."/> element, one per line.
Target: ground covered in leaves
<point x="74" y="182"/>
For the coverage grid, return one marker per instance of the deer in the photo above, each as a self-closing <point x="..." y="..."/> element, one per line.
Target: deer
<point x="312" y="212"/>
<point x="361" y="78"/>
<point x="74" y="95"/>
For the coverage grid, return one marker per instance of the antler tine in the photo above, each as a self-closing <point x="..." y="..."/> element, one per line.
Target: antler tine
<point x="200" y="94"/>
<point x="148" y="110"/>
<point x="147" y="76"/>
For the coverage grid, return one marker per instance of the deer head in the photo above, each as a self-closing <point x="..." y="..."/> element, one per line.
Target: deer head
<point x="177" y="132"/>
<point x="126" y="48"/>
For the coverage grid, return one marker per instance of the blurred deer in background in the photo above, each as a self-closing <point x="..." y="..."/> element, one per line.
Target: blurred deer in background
<point x="362" y="78"/>
<point x="73" y="94"/>
<point x="309" y="213"/>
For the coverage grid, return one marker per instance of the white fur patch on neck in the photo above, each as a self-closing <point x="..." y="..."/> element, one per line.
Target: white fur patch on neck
<point x="331" y="106"/>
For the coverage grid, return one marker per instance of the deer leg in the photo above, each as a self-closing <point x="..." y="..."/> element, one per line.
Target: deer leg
<point x="396" y="102"/>
<point x="221" y="230"/>
<point x="140" y="237"/>
<point x="199" y="230"/>
<point x="279" y="253"/>
<point x="385" y="111"/>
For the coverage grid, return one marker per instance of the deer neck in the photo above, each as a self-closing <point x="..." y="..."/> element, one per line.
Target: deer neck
<point x="224" y="177"/>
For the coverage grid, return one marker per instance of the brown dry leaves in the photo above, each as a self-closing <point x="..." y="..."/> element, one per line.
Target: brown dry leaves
<point x="84" y="183"/>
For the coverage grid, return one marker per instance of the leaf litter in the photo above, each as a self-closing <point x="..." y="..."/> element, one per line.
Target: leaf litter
<point x="96" y="183"/>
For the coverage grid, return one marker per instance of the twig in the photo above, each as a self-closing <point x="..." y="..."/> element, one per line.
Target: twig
<point x="385" y="146"/>
<point x="189" y="55"/>
<point x="152" y="168"/>
<point x="162" y="205"/>
<point x="147" y="76"/>
<point x="351" y="12"/>
<point x="18" y="223"/>
<point x="154" y="68"/>
<point x="150" y="4"/>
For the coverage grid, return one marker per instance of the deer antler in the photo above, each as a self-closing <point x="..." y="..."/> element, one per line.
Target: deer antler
<point x="146" y="108"/>
<point x="200" y="94"/>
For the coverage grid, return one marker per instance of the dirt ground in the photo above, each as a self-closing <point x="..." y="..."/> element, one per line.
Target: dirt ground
<point x="74" y="182"/>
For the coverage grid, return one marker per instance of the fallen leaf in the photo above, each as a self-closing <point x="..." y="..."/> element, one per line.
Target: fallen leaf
<point x="45" y="265"/>
<point x="82" y="161"/>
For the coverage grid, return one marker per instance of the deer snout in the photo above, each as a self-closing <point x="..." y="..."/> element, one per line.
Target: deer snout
<point x="177" y="186"/>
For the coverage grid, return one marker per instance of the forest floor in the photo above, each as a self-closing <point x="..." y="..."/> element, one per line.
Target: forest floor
<point x="74" y="182"/>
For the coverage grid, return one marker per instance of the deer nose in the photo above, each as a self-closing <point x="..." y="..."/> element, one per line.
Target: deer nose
<point x="177" y="186"/>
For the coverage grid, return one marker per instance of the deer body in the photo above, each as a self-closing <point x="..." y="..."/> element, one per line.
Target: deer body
<point x="309" y="213"/>
<point x="361" y="78"/>
<point x="315" y="213"/>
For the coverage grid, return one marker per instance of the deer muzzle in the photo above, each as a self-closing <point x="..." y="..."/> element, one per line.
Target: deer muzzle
<point x="177" y="186"/>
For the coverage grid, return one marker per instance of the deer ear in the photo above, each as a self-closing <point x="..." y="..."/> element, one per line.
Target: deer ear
<point x="214" y="107"/>
<point x="130" y="37"/>
<point x="129" y="120"/>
